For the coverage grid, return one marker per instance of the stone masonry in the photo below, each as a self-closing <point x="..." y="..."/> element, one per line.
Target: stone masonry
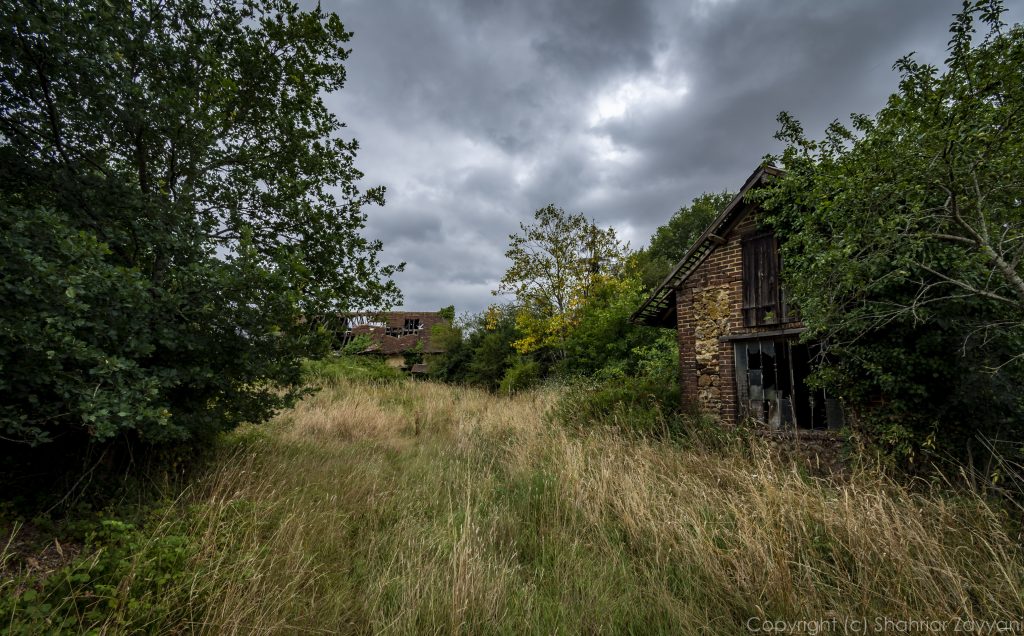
<point x="711" y="321"/>
<point x="709" y="306"/>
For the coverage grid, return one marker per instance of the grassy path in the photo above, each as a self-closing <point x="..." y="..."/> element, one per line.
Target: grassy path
<point x="419" y="508"/>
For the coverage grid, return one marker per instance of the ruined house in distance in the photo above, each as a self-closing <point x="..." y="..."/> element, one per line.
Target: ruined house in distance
<point x="739" y="349"/>
<point x="404" y="339"/>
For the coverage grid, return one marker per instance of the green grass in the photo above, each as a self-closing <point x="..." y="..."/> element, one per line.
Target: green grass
<point x="365" y="368"/>
<point x="411" y="507"/>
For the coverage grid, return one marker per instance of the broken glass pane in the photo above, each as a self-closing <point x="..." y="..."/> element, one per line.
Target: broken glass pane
<point x="753" y="356"/>
<point x="754" y="381"/>
<point x="768" y="368"/>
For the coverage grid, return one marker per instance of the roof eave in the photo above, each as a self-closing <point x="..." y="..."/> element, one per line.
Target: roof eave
<point x="703" y="246"/>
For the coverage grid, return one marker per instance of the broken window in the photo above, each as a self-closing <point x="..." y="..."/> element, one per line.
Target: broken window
<point x="763" y="299"/>
<point x="410" y="327"/>
<point x="771" y="383"/>
<point x="348" y="325"/>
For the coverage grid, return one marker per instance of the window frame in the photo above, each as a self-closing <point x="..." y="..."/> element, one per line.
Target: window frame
<point x="763" y="301"/>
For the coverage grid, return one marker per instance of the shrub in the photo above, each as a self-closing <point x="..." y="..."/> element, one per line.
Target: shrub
<point x="357" y="345"/>
<point x="524" y="374"/>
<point x="414" y="356"/>
<point x="75" y="333"/>
<point x="479" y="351"/>
<point x="124" y="576"/>
<point x="632" y="404"/>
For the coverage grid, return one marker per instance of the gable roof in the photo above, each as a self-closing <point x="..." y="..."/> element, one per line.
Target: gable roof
<point x="659" y="309"/>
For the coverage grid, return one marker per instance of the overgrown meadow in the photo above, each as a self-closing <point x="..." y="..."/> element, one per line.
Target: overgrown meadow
<point x="387" y="505"/>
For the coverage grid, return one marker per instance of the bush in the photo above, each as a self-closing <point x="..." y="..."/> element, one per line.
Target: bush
<point x="74" y="332"/>
<point x="524" y="374"/>
<point x="640" y="405"/>
<point x="124" y="578"/>
<point x="414" y="356"/>
<point x="357" y="345"/>
<point x="479" y="351"/>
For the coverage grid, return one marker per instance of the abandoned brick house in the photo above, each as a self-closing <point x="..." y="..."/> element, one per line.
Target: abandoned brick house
<point x="397" y="336"/>
<point x="739" y="348"/>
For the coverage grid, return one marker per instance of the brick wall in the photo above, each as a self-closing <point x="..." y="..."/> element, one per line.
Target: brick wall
<point x="397" y="344"/>
<point x="709" y="306"/>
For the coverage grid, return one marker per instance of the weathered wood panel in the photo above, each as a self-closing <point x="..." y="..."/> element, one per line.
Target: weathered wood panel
<point x="762" y="296"/>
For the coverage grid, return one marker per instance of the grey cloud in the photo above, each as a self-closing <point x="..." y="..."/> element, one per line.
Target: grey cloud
<point x="420" y="226"/>
<point x="475" y="113"/>
<point x="581" y="39"/>
<point x="593" y="38"/>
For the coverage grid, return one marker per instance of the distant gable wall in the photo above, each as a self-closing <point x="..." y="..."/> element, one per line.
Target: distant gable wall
<point x="389" y="334"/>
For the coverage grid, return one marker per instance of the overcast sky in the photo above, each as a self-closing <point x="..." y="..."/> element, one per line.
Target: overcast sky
<point x="474" y="113"/>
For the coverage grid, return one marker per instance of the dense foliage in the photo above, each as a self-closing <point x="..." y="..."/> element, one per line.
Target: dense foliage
<point x="346" y="367"/>
<point x="478" y="349"/>
<point x="671" y="241"/>
<point x="555" y="264"/>
<point x="904" y="245"/>
<point x="174" y="199"/>
<point x="575" y="288"/>
<point x="602" y="339"/>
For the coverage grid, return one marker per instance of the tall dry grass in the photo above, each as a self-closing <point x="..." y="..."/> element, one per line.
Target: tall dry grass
<point x="415" y="507"/>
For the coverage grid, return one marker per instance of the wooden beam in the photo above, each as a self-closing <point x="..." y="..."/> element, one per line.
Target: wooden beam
<point x="763" y="334"/>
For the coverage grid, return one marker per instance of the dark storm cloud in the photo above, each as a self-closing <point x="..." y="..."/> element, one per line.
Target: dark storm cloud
<point x="476" y="113"/>
<point x="580" y="40"/>
<point x="818" y="60"/>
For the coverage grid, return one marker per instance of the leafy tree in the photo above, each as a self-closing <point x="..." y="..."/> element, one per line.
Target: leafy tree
<point x="451" y="365"/>
<point x="671" y="240"/>
<point x="555" y="264"/>
<point x="602" y="338"/>
<point x="904" y="243"/>
<point x="448" y="313"/>
<point x="176" y="200"/>
<point x="446" y="336"/>
<point x="482" y="352"/>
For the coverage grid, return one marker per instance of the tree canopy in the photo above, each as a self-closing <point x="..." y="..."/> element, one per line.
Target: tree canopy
<point x="904" y="241"/>
<point x="555" y="263"/>
<point x="178" y="207"/>
<point x="671" y="240"/>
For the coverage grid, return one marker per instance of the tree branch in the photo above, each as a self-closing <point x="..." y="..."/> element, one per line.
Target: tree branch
<point x="966" y="286"/>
